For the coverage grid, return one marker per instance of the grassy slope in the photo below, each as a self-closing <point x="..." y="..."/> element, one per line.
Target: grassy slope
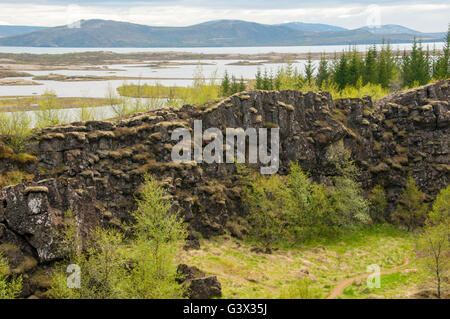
<point x="246" y="274"/>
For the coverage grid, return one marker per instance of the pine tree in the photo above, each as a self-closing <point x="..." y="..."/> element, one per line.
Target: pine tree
<point x="385" y="66"/>
<point x="340" y="72"/>
<point x="234" y="88"/>
<point x="441" y="69"/>
<point x="417" y="67"/>
<point x="259" y="80"/>
<point x="309" y="70"/>
<point x="242" y="86"/>
<point x="370" y="66"/>
<point x="354" y="68"/>
<point x="225" y="84"/>
<point x="322" y="73"/>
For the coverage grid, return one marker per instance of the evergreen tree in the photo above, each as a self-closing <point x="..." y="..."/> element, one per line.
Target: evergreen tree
<point x="309" y="70"/>
<point x="234" y="88"/>
<point x="340" y="72"/>
<point x="259" y="80"/>
<point x="242" y="86"/>
<point x="225" y="84"/>
<point x="386" y="66"/>
<point x="441" y="68"/>
<point x="322" y="73"/>
<point x="354" y="68"/>
<point x="416" y="68"/>
<point x="370" y="66"/>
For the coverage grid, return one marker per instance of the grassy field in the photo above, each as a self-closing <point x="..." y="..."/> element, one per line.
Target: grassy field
<point x="29" y="103"/>
<point x="312" y="270"/>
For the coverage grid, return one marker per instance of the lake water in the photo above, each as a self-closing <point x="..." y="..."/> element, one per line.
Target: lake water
<point x="177" y="76"/>
<point x="215" y="50"/>
<point x="172" y="76"/>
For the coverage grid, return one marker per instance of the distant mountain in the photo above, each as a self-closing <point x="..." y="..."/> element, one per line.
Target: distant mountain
<point x="104" y="34"/>
<point x="10" y="30"/>
<point x="398" y="29"/>
<point x="311" y="27"/>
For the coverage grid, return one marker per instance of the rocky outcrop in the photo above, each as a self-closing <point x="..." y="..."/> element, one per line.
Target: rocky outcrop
<point x="95" y="168"/>
<point x="198" y="285"/>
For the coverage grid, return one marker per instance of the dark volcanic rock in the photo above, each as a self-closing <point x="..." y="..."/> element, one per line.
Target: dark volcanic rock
<point x="198" y="285"/>
<point x="96" y="168"/>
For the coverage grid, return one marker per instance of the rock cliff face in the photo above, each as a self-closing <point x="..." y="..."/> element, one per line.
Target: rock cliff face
<point x="95" y="168"/>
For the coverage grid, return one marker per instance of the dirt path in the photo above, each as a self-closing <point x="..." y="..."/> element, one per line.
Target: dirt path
<point x="339" y="289"/>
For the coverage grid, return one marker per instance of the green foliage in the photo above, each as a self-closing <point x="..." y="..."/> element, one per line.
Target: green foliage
<point x="351" y="207"/>
<point x="309" y="70"/>
<point x="441" y="66"/>
<point x="300" y="289"/>
<point x="15" y="130"/>
<point x="101" y="260"/>
<point x="323" y="74"/>
<point x="201" y="92"/>
<point x="411" y="209"/>
<point x="441" y="207"/>
<point x="48" y="114"/>
<point x="293" y="208"/>
<point x="416" y="67"/>
<point x="10" y="286"/>
<point x="142" y="267"/>
<point x="434" y="250"/>
<point x="378" y="202"/>
<point x="340" y="159"/>
<point x="268" y="200"/>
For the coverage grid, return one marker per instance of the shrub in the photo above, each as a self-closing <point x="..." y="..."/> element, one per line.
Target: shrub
<point x="441" y="207"/>
<point x="15" y="130"/>
<point x="300" y="289"/>
<point x="351" y="207"/>
<point x="10" y="287"/>
<point x="48" y="113"/>
<point x="378" y="202"/>
<point x="160" y="234"/>
<point x="340" y="159"/>
<point x="269" y="202"/>
<point x="411" y="210"/>
<point x="434" y="250"/>
<point x="101" y="262"/>
<point x="143" y="267"/>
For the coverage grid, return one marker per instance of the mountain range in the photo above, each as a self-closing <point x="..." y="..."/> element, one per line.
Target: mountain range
<point x="218" y="33"/>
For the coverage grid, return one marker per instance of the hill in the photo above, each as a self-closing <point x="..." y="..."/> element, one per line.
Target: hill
<point x="104" y="33"/>
<point x="311" y="27"/>
<point x="11" y="30"/>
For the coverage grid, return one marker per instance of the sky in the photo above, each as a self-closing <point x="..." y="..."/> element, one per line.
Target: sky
<point x="425" y="16"/>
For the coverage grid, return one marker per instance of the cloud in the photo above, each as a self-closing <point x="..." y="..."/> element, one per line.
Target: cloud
<point x="429" y="17"/>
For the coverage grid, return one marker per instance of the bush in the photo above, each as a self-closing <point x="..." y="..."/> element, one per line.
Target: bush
<point x="378" y="202"/>
<point x="441" y="207"/>
<point x="434" y="250"/>
<point x="101" y="262"/>
<point x="160" y="234"/>
<point x="351" y="207"/>
<point x="143" y="267"/>
<point x="10" y="287"/>
<point x="411" y="210"/>
<point x="48" y="114"/>
<point x="301" y="289"/>
<point x="15" y="130"/>
<point x="270" y="204"/>
<point x="294" y="208"/>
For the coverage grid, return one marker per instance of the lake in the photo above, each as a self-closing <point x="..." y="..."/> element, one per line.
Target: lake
<point x="214" y="50"/>
<point x="178" y="76"/>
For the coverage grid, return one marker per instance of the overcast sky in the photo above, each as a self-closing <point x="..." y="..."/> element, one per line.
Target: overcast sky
<point x="426" y="16"/>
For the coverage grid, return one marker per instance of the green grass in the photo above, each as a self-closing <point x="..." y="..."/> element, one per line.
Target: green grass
<point x="246" y="274"/>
